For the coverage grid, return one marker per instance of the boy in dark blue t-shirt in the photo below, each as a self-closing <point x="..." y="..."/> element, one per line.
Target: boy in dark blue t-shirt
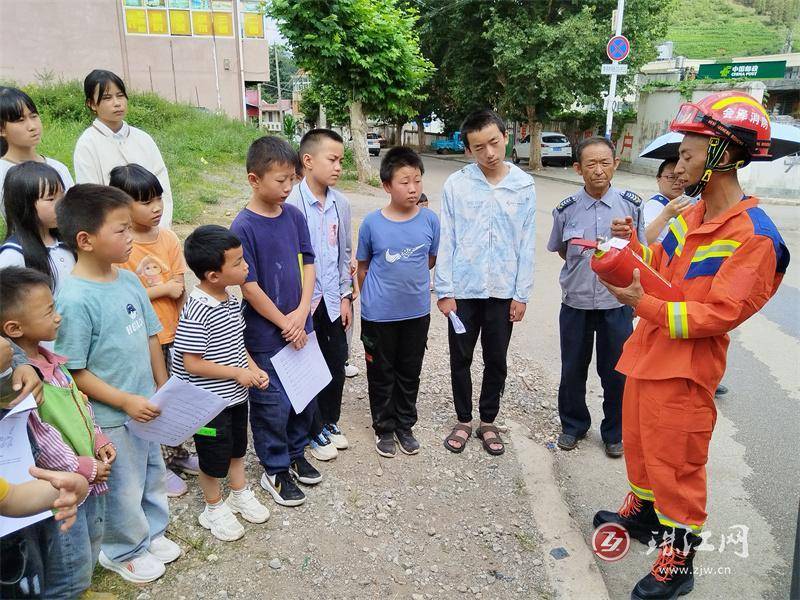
<point x="277" y="297"/>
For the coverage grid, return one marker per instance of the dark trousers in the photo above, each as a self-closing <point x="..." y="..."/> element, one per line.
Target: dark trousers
<point x="578" y="328"/>
<point x="488" y="318"/>
<point x="394" y="353"/>
<point x="332" y="340"/>
<point x="279" y="434"/>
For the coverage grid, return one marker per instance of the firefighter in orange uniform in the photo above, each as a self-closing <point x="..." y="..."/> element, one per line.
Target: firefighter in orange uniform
<point x="728" y="258"/>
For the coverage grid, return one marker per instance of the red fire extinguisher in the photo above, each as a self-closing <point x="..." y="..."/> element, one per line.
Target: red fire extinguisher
<point x="614" y="262"/>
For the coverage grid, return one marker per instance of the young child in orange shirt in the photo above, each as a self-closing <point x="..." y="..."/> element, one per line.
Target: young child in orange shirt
<point x="157" y="258"/>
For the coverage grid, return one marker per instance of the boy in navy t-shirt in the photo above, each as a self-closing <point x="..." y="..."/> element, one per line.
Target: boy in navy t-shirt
<point x="397" y="248"/>
<point x="277" y="297"/>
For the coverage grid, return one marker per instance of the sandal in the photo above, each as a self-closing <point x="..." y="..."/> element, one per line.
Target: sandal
<point x="455" y="438"/>
<point x="495" y="439"/>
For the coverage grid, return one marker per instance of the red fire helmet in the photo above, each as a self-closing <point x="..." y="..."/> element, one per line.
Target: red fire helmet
<point x="731" y="115"/>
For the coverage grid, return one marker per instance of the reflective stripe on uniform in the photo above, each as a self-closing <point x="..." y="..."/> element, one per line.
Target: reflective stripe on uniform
<point x="647" y="255"/>
<point x="708" y="259"/>
<point x="665" y="520"/>
<point x="716" y="249"/>
<point x="642" y="493"/>
<point x="677" y="320"/>
<point x="679" y="228"/>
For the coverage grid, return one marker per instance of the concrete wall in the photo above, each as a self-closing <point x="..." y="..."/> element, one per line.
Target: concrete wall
<point x="69" y="38"/>
<point x="658" y="107"/>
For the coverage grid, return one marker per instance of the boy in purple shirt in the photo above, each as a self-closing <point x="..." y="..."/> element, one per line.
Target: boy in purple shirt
<point x="277" y="297"/>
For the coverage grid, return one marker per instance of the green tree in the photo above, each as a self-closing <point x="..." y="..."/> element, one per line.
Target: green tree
<point x="548" y="55"/>
<point x="368" y="49"/>
<point x="289" y="127"/>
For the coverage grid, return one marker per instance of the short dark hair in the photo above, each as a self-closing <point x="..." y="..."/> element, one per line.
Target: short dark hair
<point x="665" y="164"/>
<point x="269" y="150"/>
<point x="96" y="83"/>
<point x="310" y="141"/>
<point x="397" y="158"/>
<point x="592" y="141"/>
<point x="15" y="284"/>
<point x="136" y="181"/>
<point x="205" y="248"/>
<point x="84" y="208"/>
<point x="478" y="120"/>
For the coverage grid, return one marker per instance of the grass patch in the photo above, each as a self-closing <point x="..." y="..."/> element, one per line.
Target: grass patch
<point x="526" y="542"/>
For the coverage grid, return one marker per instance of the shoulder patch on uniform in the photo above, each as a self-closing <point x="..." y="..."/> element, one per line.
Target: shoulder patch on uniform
<point x="632" y="197"/>
<point x="565" y="203"/>
<point x="763" y="225"/>
<point x="661" y="199"/>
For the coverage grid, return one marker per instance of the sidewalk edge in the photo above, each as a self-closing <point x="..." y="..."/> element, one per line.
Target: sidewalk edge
<point x="576" y="575"/>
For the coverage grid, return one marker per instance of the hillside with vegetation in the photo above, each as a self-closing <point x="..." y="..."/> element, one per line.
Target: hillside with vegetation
<point x="722" y="29"/>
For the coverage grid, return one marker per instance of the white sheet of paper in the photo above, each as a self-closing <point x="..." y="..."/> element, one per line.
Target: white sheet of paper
<point x="185" y="408"/>
<point x="458" y="326"/>
<point x="303" y="372"/>
<point x="16" y="458"/>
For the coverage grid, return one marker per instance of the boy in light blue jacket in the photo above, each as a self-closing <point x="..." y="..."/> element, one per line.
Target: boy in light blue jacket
<point x="485" y="270"/>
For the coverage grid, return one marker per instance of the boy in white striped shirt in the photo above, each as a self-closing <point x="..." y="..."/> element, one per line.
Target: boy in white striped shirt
<point x="209" y="352"/>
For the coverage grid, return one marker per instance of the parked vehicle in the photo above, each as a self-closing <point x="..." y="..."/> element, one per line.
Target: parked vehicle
<point x="379" y="137"/>
<point x="451" y="144"/>
<point x="555" y="149"/>
<point x="373" y="144"/>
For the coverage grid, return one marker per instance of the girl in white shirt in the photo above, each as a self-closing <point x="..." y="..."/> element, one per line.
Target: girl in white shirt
<point x="32" y="190"/>
<point x="20" y="134"/>
<point x="110" y="142"/>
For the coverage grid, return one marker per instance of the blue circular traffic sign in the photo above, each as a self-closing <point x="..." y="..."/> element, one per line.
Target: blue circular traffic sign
<point x="618" y="47"/>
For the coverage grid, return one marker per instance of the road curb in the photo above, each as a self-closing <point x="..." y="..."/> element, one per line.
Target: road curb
<point x="575" y="575"/>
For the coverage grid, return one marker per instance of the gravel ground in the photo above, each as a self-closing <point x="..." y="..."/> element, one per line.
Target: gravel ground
<point x="433" y="525"/>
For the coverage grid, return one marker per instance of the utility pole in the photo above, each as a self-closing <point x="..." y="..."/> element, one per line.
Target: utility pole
<point x="612" y="88"/>
<point x="278" y="80"/>
<point x="260" y="114"/>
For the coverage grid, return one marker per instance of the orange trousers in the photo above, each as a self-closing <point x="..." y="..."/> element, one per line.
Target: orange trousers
<point x="666" y="430"/>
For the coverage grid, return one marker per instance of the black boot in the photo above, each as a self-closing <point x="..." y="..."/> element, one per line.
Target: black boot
<point x="637" y="516"/>
<point x="672" y="574"/>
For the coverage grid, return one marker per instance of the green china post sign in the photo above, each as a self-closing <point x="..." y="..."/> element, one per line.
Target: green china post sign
<point x="775" y="69"/>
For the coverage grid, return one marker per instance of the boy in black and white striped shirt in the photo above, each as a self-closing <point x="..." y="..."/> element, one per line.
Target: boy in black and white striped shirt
<point x="209" y="352"/>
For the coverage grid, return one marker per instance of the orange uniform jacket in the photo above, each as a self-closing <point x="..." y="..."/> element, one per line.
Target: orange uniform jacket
<point x="727" y="268"/>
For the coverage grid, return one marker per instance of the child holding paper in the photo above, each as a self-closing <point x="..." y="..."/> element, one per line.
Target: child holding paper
<point x="108" y="335"/>
<point x="210" y="353"/>
<point x="397" y="248"/>
<point x="277" y="292"/>
<point x="63" y="429"/>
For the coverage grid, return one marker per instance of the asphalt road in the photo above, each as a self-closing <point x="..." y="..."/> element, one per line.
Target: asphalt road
<point x="754" y="460"/>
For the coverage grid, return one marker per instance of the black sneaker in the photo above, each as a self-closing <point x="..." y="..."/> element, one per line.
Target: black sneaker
<point x="384" y="444"/>
<point x="283" y="489"/>
<point x="304" y="472"/>
<point x="408" y="443"/>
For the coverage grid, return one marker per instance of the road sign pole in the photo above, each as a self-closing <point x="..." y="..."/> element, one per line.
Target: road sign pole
<point x="612" y="88"/>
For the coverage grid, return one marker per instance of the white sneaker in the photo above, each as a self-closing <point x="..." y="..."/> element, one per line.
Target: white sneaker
<point x="322" y="448"/>
<point x="140" y="569"/>
<point x="351" y="370"/>
<point x="335" y="435"/>
<point x="246" y="504"/>
<point x="164" y="550"/>
<point x="222" y="522"/>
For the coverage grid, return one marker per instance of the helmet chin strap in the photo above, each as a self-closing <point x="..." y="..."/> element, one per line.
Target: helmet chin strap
<point x="716" y="150"/>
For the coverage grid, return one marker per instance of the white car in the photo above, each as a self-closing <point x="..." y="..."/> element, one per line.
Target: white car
<point x="555" y="148"/>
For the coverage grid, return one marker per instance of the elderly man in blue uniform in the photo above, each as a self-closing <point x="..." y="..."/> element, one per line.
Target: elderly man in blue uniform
<point x="588" y="311"/>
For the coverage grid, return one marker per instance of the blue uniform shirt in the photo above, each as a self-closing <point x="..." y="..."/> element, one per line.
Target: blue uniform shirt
<point x="581" y="216"/>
